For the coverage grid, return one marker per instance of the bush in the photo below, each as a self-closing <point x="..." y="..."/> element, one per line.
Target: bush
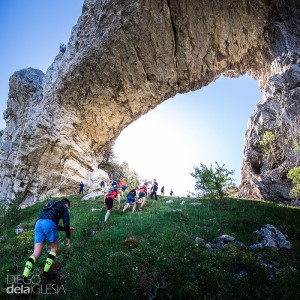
<point x="294" y="175"/>
<point x="212" y="182"/>
<point x="9" y="210"/>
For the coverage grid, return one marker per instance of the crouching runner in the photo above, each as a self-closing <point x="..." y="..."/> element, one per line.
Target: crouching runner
<point x="130" y="199"/>
<point x="109" y="200"/>
<point x="46" y="229"/>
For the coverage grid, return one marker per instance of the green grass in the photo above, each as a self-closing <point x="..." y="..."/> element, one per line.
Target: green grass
<point x="152" y="254"/>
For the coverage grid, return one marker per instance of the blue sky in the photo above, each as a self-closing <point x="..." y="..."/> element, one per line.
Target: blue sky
<point x="205" y="126"/>
<point x="31" y="32"/>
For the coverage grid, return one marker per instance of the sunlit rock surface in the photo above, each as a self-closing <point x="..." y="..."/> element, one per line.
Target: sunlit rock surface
<point x="121" y="61"/>
<point x="278" y="112"/>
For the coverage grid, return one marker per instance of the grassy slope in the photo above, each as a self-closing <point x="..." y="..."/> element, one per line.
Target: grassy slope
<point x="162" y="260"/>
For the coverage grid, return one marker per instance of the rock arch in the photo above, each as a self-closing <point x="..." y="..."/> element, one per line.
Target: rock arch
<point x="124" y="59"/>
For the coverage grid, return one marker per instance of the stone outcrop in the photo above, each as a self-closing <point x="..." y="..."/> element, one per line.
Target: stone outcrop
<point x="265" y="170"/>
<point x="121" y="61"/>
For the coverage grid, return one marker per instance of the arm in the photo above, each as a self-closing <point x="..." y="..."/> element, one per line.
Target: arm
<point x="119" y="198"/>
<point x="62" y="228"/>
<point x="66" y="220"/>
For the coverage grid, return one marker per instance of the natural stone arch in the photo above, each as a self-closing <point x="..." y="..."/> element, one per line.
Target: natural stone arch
<point x="122" y="60"/>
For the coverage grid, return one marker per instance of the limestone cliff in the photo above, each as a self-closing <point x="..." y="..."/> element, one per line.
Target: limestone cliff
<point x="265" y="168"/>
<point x="123" y="59"/>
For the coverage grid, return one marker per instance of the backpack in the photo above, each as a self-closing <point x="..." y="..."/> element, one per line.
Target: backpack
<point x="132" y="193"/>
<point x="50" y="205"/>
<point x="54" y="209"/>
<point x="112" y="188"/>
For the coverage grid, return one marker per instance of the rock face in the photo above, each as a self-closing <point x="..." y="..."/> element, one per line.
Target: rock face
<point x="122" y="61"/>
<point x="265" y="168"/>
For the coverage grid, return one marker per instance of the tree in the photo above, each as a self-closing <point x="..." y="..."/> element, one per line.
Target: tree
<point x="212" y="182"/>
<point x="116" y="170"/>
<point x="131" y="177"/>
<point x="110" y="164"/>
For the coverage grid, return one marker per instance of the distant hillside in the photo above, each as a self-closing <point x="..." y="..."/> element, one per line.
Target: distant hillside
<point x="168" y="250"/>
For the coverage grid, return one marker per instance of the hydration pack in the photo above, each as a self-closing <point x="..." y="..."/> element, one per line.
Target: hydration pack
<point x="132" y="193"/>
<point x="50" y="205"/>
<point x="112" y="188"/>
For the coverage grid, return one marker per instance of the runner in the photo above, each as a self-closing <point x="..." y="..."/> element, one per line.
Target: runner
<point x="102" y="185"/>
<point x="154" y="189"/>
<point x="81" y="186"/>
<point x="142" y="195"/>
<point x="46" y="229"/>
<point x="130" y="199"/>
<point x="123" y="186"/>
<point x="109" y="200"/>
<point x="162" y="191"/>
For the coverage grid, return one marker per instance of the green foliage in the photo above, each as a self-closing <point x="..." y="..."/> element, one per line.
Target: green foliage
<point x="25" y="237"/>
<point x="280" y="141"/>
<point x="113" y="170"/>
<point x="294" y="175"/>
<point x="132" y="180"/>
<point x="118" y="171"/>
<point x="166" y="263"/>
<point x="131" y="177"/>
<point x="267" y="139"/>
<point x="296" y="147"/>
<point x="9" y="210"/>
<point x="270" y="148"/>
<point x="213" y="182"/>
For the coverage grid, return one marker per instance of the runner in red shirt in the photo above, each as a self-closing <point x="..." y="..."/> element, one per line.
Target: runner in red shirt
<point x="109" y="200"/>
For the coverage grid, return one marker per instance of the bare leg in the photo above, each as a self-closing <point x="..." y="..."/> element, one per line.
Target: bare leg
<point x="107" y="215"/>
<point x="143" y="202"/>
<point x="38" y="248"/>
<point x="50" y="258"/>
<point x="134" y="207"/>
<point x="54" y="246"/>
<point x="125" y="207"/>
